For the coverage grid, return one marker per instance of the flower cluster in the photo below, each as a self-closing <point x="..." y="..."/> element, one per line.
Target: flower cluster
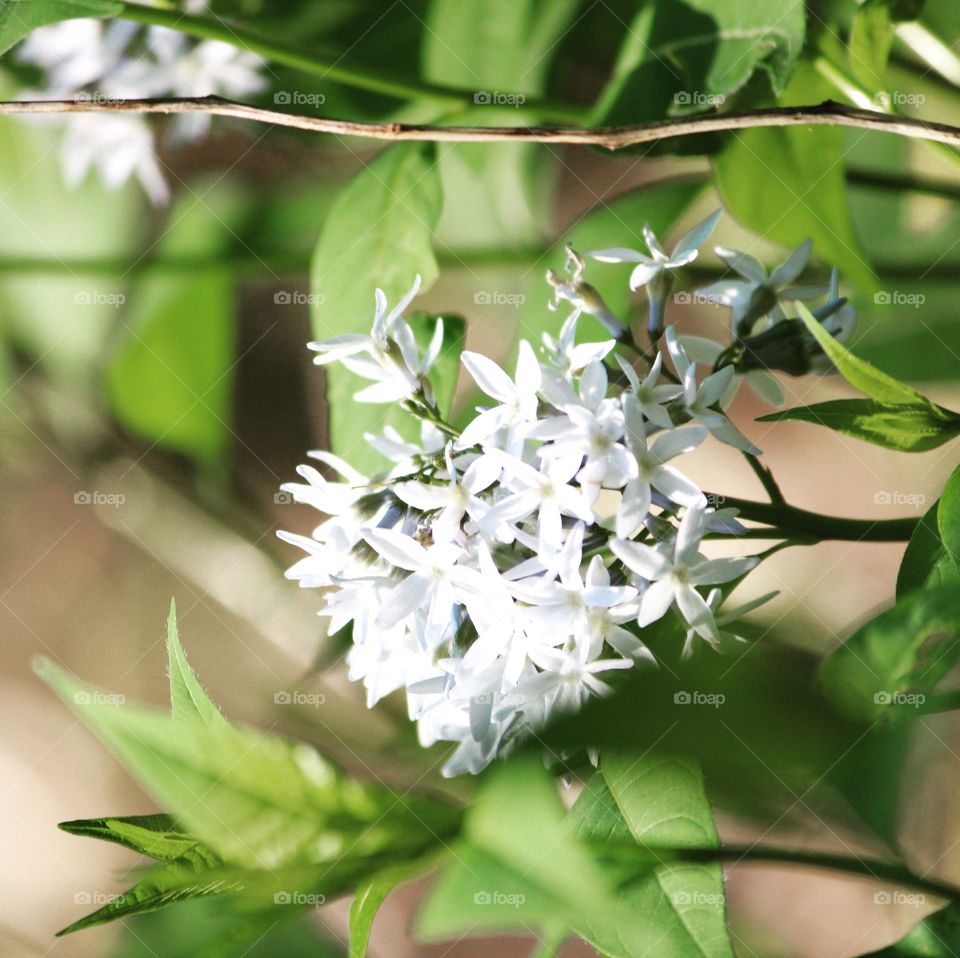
<point x="497" y="573"/>
<point x="117" y="60"/>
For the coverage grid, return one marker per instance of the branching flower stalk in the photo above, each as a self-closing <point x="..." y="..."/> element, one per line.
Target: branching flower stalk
<point x="505" y="573"/>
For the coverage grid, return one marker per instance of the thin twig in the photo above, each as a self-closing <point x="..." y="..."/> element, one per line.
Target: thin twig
<point x="828" y="113"/>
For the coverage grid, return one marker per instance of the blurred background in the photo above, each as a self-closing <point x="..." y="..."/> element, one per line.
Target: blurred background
<point x="155" y="391"/>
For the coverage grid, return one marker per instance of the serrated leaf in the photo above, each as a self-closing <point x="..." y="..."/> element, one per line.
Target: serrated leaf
<point x="176" y="881"/>
<point x="21" y="17"/>
<point x="896" y="659"/>
<point x="905" y="428"/>
<point x="188" y="700"/>
<point x="158" y="836"/>
<point x="257" y="800"/>
<point x="377" y="234"/>
<point x="657" y="801"/>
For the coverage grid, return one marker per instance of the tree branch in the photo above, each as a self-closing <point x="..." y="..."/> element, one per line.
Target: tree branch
<point x="828" y="113"/>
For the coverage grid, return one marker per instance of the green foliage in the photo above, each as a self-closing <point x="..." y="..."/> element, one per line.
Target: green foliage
<point x="251" y="812"/>
<point x="170" y="380"/>
<point x="789" y="184"/>
<point x="892" y="664"/>
<point x="519" y="864"/>
<point x="936" y="936"/>
<point x="378" y="233"/>
<point x="678" y="909"/>
<point x="931" y="555"/>
<point x="904" y="428"/>
<point x="21" y="17"/>
<point x="683" y="56"/>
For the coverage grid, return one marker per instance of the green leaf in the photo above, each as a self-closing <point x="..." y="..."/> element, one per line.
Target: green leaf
<point x="789" y="184"/>
<point x="871" y="38"/>
<point x="936" y="936"/>
<point x="905" y="428"/>
<point x="657" y="801"/>
<point x="188" y="700"/>
<point x="371" y="894"/>
<point x="948" y="517"/>
<point x="520" y="863"/>
<point x="925" y="560"/>
<point x="894" y="661"/>
<point x="20" y="17"/>
<point x="176" y="881"/>
<point x="158" y="836"/>
<point x="683" y="56"/>
<point x="171" y="379"/>
<point x="868" y="379"/>
<point x="378" y="233"/>
<point x="494" y="46"/>
<point x="257" y="800"/>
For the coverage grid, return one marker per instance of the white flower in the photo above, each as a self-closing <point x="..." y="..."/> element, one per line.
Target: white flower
<point x="722" y="641"/>
<point x="388" y="355"/>
<point x="761" y="381"/>
<point x="673" y="577"/>
<point x="758" y="293"/>
<point x="652" y="471"/>
<point x="701" y="402"/>
<point x="656" y="270"/>
<point x="546" y="492"/>
<point x="568" y="356"/>
<point x="517" y="398"/>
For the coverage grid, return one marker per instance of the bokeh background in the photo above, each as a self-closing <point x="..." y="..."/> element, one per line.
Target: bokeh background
<point x="155" y="390"/>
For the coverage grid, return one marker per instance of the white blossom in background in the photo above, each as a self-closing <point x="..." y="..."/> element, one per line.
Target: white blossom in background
<point x="506" y="573"/>
<point x="117" y="60"/>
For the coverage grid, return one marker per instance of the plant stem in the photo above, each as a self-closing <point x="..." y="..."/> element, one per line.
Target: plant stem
<point x="331" y="68"/>
<point x="802" y="524"/>
<point x="892" y="872"/>
<point x="766" y="478"/>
